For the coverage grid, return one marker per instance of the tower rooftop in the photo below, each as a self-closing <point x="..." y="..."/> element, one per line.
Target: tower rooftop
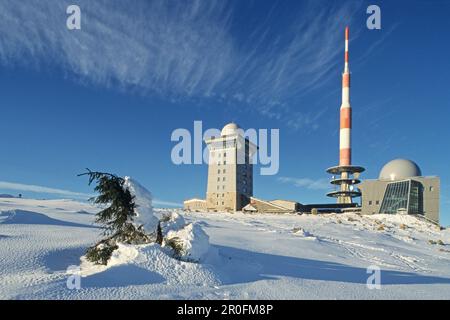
<point x="229" y="129"/>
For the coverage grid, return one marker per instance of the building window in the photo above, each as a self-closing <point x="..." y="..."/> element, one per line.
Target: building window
<point x="223" y="179"/>
<point x="217" y="195"/>
<point x="218" y="163"/>
<point x="218" y="171"/>
<point x="218" y="178"/>
<point x="223" y="195"/>
<point x="377" y="202"/>
<point x="431" y="188"/>
<point x="223" y="203"/>
<point x="224" y="171"/>
<point x="224" y="162"/>
<point x="217" y="187"/>
<point x="403" y="196"/>
<point x="223" y="187"/>
<point x="370" y="202"/>
<point x="224" y="154"/>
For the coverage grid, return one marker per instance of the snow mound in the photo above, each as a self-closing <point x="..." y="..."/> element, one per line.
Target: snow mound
<point x="6" y="196"/>
<point x="193" y="240"/>
<point x="23" y="217"/>
<point x="144" y="264"/>
<point x="174" y="271"/>
<point x="303" y="233"/>
<point x="171" y="221"/>
<point x="123" y="255"/>
<point x="144" y="208"/>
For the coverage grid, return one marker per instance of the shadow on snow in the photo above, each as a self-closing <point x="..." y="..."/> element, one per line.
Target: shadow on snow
<point x="242" y="266"/>
<point x="30" y="217"/>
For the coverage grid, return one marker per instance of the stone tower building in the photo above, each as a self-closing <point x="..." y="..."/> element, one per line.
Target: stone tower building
<point x="230" y="170"/>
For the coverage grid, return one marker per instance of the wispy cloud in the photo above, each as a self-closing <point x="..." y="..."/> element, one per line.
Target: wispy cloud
<point x="40" y="189"/>
<point x="186" y="49"/>
<point x="319" y="184"/>
<point x="66" y="193"/>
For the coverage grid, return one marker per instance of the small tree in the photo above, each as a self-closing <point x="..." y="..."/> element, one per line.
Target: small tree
<point x="116" y="218"/>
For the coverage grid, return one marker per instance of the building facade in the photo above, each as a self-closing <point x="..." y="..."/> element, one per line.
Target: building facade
<point x="401" y="189"/>
<point x="197" y="205"/>
<point x="230" y="170"/>
<point x="275" y="206"/>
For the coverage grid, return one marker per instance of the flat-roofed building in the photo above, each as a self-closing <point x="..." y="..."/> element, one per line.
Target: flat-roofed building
<point x="276" y="206"/>
<point x="401" y="189"/>
<point x="198" y="205"/>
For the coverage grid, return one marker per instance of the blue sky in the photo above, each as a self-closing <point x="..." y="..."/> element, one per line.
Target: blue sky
<point x="109" y="96"/>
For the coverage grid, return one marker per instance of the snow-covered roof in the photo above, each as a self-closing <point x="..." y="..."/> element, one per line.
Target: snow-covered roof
<point x="195" y="200"/>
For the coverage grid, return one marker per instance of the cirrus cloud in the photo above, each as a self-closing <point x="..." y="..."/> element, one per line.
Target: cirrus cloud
<point x="187" y="49"/>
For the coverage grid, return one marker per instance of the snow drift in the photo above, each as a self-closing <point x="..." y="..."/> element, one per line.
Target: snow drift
<point x="171" y="221"/>
<point x="181" y="240"/>
<point x="260" y="257"/>
<point x="192" y="241"/>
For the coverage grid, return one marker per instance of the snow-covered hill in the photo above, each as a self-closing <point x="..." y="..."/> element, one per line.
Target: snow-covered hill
<point x="252" y="257"/>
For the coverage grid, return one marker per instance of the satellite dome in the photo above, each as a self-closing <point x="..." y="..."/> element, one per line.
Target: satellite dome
<point x="399" y="169"/>
<point x="229" y="129"/>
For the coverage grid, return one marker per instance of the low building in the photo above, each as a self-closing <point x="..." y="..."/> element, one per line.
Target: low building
<point x="329" y="207"/>
<point x="401" y="189"/>
<point x="275" y="206"/>
<point x="294" y="206"/>
<point x="198" y="205"/>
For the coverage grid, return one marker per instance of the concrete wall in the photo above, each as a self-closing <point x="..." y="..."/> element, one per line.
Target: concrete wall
<point x="431" y="193"/>
<point x="372" y="195"/>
